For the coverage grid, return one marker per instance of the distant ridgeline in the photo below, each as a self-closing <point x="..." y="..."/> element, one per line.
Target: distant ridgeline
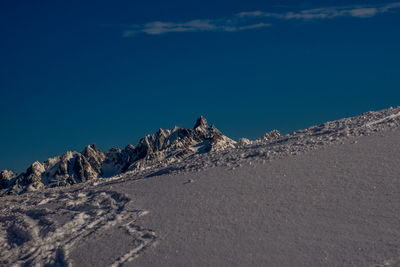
<point x="169" y="150"/>
<point x="162" y="147"/>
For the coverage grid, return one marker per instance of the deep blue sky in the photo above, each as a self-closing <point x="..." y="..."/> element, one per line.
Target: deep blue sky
<point x="109" y="72"/>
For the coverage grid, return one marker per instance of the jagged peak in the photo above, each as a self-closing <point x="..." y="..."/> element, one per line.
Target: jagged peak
<point x="163" y="132"/>
<point x="68" y="155"/>
<point x="165" y="146"/>
<point x="36" y="167"/>
<point x="201" y="122"/>
<point x="7" y="174"/>
<point x="36" y="164"/>
<point x="176" y="128"/>
<point x="91" y="147"/>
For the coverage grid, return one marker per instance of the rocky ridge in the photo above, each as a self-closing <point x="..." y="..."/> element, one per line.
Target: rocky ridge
<point x="273" y="146"/>
<point x="180" y="149"/>
<point x="158" y="149"/>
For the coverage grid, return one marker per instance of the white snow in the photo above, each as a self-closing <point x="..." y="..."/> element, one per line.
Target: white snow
<point x="392" y="116"/>
<point x="324" y="196"/>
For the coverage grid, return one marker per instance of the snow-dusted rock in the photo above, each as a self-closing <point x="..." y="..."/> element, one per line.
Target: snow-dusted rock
<point x="32" y="179"/>
<point x="269" y="136"/>
<point x="5" y="178"/>
<point x="166" y="146"/>
<point x="160" y="148"/>
<point x="94" y="156"/>
<point x="180" y="149"/>
<point x="244" y="142"/>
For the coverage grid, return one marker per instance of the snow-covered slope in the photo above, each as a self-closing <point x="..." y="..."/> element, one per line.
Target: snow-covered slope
<point x="324" y="196"/>
<point x="158" y="149"/>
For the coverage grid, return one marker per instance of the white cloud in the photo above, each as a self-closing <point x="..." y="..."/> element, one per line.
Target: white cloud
<point x="158" y="27"/>
<point x="199" y="25"/>
<point x="251" y="14"/>
<point x="254" y="26"/>
<point x="257" y="19"/>
<point x="324" y="13"/>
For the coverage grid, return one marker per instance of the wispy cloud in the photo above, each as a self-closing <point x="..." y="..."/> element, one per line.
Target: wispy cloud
<point x="257" y="19"/>
<point x="198" y="25"/>
<point x="365" y="11"/>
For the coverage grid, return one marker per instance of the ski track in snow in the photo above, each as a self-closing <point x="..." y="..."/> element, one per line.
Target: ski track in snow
<point x="42" y="229"/>
<point x="393" y="116"/>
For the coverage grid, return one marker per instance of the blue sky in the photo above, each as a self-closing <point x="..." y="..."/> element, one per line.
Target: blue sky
<point x="109" y="72"/>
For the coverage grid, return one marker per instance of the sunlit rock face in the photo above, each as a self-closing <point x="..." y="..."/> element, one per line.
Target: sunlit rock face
<point x="162" y="147"/>
<point x="5" y="178"/>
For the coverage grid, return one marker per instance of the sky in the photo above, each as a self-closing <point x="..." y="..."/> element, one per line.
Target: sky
<point x="74" y="73"/>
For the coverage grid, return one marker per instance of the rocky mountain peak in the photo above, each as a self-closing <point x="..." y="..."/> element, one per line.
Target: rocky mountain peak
<point x="5" y="178"/>
<point x="162" y="147"/>
<point x="91" y="150"/>
<point x="94" y="156"/>
<point x="6" y="174"/>
<point x="37" y="168"/>
<point x="201" y="122"/>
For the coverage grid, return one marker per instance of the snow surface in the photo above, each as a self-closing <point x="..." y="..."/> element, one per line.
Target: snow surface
<point x="328" y="195"/>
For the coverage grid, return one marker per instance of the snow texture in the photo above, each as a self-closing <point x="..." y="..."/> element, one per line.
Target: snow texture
<point x="328" y="195"/>
<point x="42" y="229"/>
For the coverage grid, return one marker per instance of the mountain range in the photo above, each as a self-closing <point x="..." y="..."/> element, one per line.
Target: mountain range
<point x="158" y="149"/>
